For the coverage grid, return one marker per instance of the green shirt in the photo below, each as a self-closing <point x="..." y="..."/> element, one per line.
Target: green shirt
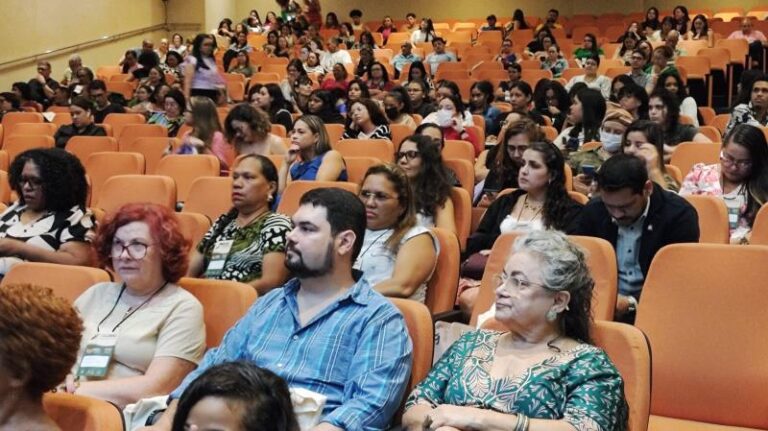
<point x="578" y="159"/>
<point x="580" y="385"/>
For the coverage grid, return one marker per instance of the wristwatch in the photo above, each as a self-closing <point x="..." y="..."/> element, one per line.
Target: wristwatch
<point x="632" y="304"/>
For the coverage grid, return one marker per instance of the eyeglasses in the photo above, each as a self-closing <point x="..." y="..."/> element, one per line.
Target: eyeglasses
<point x="136" y="250"/>
<point x="728" y="161"/>
<point x="378" y="197"/>
<point x="504" y="280"/>
<point x="512" y="149"/>
<point x="34" y="182"/>
<point x="409" y="155"/>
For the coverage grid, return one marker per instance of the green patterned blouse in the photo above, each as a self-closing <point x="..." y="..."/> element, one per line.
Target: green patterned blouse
<point x="579" y="385"/>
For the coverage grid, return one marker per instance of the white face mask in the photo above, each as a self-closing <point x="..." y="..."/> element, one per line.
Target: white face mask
<point x="611" y="141"/>
<point x="444" y="118"/>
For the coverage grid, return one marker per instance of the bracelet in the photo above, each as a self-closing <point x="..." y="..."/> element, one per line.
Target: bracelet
<point x="522" y="422"/>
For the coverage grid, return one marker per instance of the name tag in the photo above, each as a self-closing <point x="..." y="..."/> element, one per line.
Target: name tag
<point x="218" y="258"/>
<point x="98" y="355"/>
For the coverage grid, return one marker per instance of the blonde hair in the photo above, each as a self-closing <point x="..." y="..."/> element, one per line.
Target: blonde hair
<point x="205" y="119"/>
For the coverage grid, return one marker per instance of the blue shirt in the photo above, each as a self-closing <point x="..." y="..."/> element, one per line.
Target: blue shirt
<point x="628" y="255"/>
<point x="307" y="171"/>
<point x="356" y="352"/>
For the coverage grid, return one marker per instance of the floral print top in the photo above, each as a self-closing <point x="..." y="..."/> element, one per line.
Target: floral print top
<point x="580" y="385"/>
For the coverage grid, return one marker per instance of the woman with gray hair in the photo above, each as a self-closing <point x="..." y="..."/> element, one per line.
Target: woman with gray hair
<point x="542" y="372"/>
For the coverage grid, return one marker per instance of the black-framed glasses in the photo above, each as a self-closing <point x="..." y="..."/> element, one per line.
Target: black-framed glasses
<point x="34" y="182"/>
<point x="136" y="250"/>
<point x="409" y="155"/>
<point x="729" y="161"/>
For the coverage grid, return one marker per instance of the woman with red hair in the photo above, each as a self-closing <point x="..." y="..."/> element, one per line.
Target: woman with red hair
<point x="143" y="335"/>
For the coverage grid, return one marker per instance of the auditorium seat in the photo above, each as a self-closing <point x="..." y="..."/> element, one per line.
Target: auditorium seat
<point x="66" y="281"/>
<point x="81" y="413"/>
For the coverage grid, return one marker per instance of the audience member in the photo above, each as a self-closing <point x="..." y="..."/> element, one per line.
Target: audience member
<point x="9" y="102"/>
<point x="518" y="22"/>
<point x="553" y="62"/>
<point x="103" y="107"/>
<point x="42" y="85"/>
<point x="81" y="111"/>
<point x="206" y="136"/>
<point x="421" y="104"/>
<point x="753" y="106"/>
<point x="617" y="83"/>
<point x="552" y="101"/>
<point x="410" y="23"/>
<point x="672" y="82"/>
<point x="481" y="103"/>
<point x="173" y="116"/>
<point x="588" y="48"/>
<point x="73" y="65"/>
<point x="700" y="30"/>
<point x="249" y="238"/>
<point x="311" y="157"/>
<point x="405" y="56"/>
<point x="634" y="99"/>
<point x="664" y="109"/>
<point x="628" y="44"/>
<point x="201" y="76"/>
<point x="601" y="83"/>
<point x="740" y="179"/>
<point x="397" y="107"/>
<point x="661" y="62"/>
<point x="439" y="55"/>
<point x="550" y="22"/>
<point x="638" y="218"/>
<point x="242" y="65"/>
<point x="248" y="130"/>
<point x="398" y="254"/>
<point x="425" y="32"/>
<point x="645" y="139"/>
<point x="24" y="93"/>
<point x="520" y="97"/>
<point x="506" y="55"/>
<point x="755" y="38"/>
<point x="335" y="55"/>
<point x="637" y="72"/>
<point x="362" y="386"/>
<point x="339" y="79"/>
<point x="378" y="81"/>
<point x="367" y="121"/>
<point x="322" y="103"/>
<point x="651" y="22"/>
<point x="543" y="310"/>
<point x="269" y="98"/>
<point x="39" y="336"/>
<point x="586" y="114"/>
<point x="514" y="73"/>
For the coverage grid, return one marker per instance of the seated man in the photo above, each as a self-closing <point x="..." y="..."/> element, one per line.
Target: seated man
<point x="42" y="86"/>
<point x="405" y="56"/>
<point x="334" y="55"/>
<point x="439" y="55"/>
<point x="638" y="218"/>
<point x="324" y="331"/>
<point x="103" y="107"/>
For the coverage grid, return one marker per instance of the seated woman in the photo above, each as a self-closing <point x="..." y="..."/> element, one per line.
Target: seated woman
<point x="339" y="80"/>
<point x="269" y="97"/>
<point x="451" y="117"/>
<point x="248" y="130"/>
<point x="617" y="84"/>
<point x="584" y="163"/>
<point x="397" y="256"/>
<point x="161" y="335"/>
<point x="322" y="104"/>
<point x="357" y="90"/>
<point x="81" y="110"/>
<point x="542" y="369"/>
<point x="367" y="121"/>
<point x="588" y="49"/>
<point x="312" y="64"/>
<point x="205" y="136"/>
<point x="741" y="179"/>
<point x="664" y="110"/>
<point x="661" y="62"/>
<point x="520" y="97"/>
<point x="236" y="396"/>
<point x="601" y="83"/>
<point x="496" y="169"/>
<point x="418" y="92"/>
<point x="173" y="116"/>
<point x="311" y="157"/>
<point x="552" y="101"/>
<point x="586" y="114"/>
<point x="378" y="81"/>
<point x="256" y="236"/>
<point x="672" y="82"/>
<point x="645" y="139"/>
<point x="141" y="102"/>
<point x="39" y="336"/>
<point x="634" y="100"/>
<point x="430" y="181"/>
<point x="481" y="103"/>
<point x="241" y="65"/>
<point x="418" y="72"/>
<point x="554" y="62"/>
<point x="397" y="107"/>
<point x="628" y="44"/>
<point x="514" y="74"/>
<point x="49" y="222"/>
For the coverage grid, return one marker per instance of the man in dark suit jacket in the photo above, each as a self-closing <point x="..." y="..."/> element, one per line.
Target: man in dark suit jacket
<point x="638" y="218"/>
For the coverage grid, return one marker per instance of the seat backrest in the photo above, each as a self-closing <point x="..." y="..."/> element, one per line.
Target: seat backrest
<point x="688" y="154"/>
<point x="358" y="166"/>
<point x="462" y="213"/>
<point x="382" y="149"/>
<point x="123" y="189"/>
<point x="760" y="227"/>
<point x="720" y="122"/>
<point x="289" y="202"/>
<point x="442" y="287"/>
<point x="118" y="121"/>
<point x="5" y="188"/>
<point x="131" y="132"/>
<point x="400" y="132"/>
<point x="335" y="132"/>
<point x="67" y="281"/>
<point x="464" y="171"/>
<point x="193" y="226"/>
<point x="713" y="218"/>
<point x="454" y="149"/>
<point x="211" y="196"/>
<point x="628" y="349"/>
<point x="84" y="146"/>
<point x="703" y="310"/>
<point x="103" y="165"/>
<point x="15" y="145"/>
<point x="422" y="333"/>
<point x="601" y="260"/>
<point x="224" y="303"/>
<point x="185" y="168"/>
<point x="152" y="149"/>
<point x="11" y="119"/>
<point x="81" y="413"/>
<point x="33" y="129"/>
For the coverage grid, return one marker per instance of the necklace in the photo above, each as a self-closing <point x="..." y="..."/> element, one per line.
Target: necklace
<point x="536" y="209"/>
<point x="361" y="257"/>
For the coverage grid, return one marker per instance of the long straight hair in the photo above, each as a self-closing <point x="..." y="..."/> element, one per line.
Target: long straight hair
<point x="396" y="175"/>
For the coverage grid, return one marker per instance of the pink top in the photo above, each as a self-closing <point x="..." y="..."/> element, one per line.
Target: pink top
<point x="206" y="79"/>
<point x="754" y="35"/>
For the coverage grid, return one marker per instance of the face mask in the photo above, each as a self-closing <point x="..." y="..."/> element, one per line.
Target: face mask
<point x="444" y="118"/>
<point x="392" y="113"/>
<point x="611" y="141"/>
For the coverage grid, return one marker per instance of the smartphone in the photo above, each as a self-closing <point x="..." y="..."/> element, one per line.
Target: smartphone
<point x="588" y="170"/>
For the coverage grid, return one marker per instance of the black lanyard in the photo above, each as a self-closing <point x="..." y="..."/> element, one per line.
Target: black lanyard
<point x="98" y="327"/>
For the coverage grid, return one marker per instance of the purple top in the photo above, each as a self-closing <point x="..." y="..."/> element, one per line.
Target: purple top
<point x="205" y="79"/>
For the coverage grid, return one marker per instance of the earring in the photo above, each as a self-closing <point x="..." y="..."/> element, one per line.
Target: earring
<point x="269" y="198"/>
<point x="551" y="315"/>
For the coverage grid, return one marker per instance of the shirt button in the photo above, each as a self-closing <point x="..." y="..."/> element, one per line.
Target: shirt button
<point x="279" y="365"/>
<point x="295" y="337"/>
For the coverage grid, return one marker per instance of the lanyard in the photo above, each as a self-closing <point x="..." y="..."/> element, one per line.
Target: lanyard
<point x="98" y="327"/>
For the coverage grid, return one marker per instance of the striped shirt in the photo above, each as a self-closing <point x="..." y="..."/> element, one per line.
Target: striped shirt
<point x="380" y="132"/>
<point x="356" y="352"/>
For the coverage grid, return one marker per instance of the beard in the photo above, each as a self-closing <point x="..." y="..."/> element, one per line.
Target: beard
<point x="300" y="269"/>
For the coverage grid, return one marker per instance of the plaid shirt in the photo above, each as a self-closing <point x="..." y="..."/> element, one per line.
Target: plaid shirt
<point x="356" y="352"/>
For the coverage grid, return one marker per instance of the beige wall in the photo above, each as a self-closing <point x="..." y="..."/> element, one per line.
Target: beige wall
<point x="216" y="10"/>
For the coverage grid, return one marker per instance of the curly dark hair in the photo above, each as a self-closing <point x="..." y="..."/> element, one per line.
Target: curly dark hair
<point x="163" y="228"/>
<point x="63" y="177"/>
<point x="39" y="336"/>
<point x="264" y="396"/>
<point x="432" y="185"/>
<point x="556" y="199"/>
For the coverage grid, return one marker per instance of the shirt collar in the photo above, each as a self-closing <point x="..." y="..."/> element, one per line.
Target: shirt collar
<point x="360" y="292"/>
<point x="642" y="217"/>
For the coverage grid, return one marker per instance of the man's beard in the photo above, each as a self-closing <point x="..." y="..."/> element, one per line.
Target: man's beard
<point x="300" y="269"/>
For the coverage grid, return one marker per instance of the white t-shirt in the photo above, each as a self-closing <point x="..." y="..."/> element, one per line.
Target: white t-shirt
<point x="328" y="60"/>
